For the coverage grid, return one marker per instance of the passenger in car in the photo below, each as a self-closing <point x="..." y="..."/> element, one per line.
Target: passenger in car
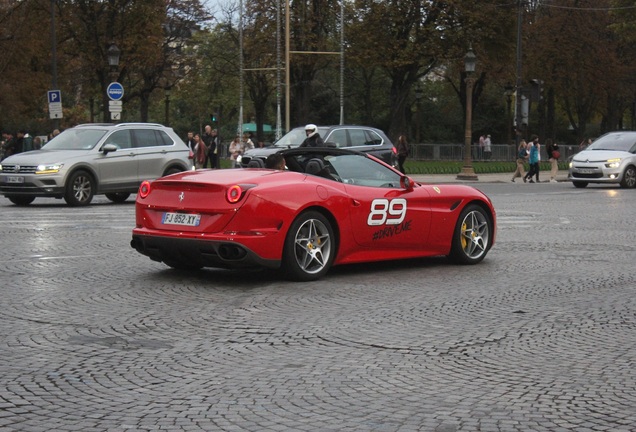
<point x="275" y="161"/>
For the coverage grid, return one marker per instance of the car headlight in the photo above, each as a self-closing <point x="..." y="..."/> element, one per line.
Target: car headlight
<point x="239" y="158"/>
<point x="613" y="163"/>
<point x="49" y="169"/>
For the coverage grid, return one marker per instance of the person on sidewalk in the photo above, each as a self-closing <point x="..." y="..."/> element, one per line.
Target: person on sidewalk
<point x="487" y="148"/>
<point x="553" y="156"/>
<point x="522" y="157"/>
<point x="402" y="152"/>
<point x="533" y="160"/>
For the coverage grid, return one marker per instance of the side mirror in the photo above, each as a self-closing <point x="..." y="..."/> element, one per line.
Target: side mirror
<point x="109" y="148"/>
<point x="406" y="183"/>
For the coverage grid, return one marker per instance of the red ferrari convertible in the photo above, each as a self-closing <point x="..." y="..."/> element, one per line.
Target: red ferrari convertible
<point x="327" y="207"/>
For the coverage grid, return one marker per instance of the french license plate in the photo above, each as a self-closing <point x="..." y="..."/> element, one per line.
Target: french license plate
<point x="14" y="179"/>
<point x="586" y="171"/>
<point x="181" y="219"/>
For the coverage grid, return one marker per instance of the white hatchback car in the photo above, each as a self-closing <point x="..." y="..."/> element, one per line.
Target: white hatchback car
<point x="609" y="159"/>
<point x="90" y="159"/>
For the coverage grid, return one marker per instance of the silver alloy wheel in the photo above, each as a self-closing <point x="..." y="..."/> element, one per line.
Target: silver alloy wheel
<point x="82" y="188"/>
<point x="475" y="234"/>
<point x="312" y="246"/>
<point x="629" y="178"/>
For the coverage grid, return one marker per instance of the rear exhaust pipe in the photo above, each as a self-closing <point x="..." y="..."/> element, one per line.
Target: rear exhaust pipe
<point x="231" y="252"/>
<point x="135" y="243"/>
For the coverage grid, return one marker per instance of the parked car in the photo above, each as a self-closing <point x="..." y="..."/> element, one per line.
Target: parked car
<point x="328" y="207"/>
<point x="609" y="159"/>
<point x="90" y="159"/>
<point x="359" y="138"/>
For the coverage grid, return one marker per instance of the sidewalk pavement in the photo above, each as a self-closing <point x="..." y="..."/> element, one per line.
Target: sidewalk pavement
<point x="562" y="176"/>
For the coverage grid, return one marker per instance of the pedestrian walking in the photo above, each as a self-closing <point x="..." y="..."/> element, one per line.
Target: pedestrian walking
<point x="248" y="144"/>
<point x="190" y="142"/>
<point x="553" y="156"/>
<point x="235" y="150"/>
<point x="487" y="148"/>
<point x="533" y="160"/>
<point x="522" y="157"/>
<point x="201" y="150"/>
<point x="402" y="152"/>
<point x="215" y="149"/>
<point x="208" y="140"/>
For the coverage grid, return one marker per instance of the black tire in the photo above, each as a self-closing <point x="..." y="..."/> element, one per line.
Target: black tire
<point x="579" y="184"/>
<point x="21" y="200"/>
<point x="472" y="237"/>
<point x="172" y="171"/>
<point x="118" y="197"/>
<point x="80" y="189"/>
<point x="310" y="247"/>
<point x="629" y="178"/>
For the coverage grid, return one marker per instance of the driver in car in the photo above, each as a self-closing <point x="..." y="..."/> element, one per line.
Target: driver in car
<point x="313" y="137"/>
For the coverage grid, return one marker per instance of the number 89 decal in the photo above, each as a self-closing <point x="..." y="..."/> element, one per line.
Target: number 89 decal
<point x="384" y="211"/>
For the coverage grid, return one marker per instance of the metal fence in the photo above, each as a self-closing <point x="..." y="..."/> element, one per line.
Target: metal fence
<point x="500" y="152"/>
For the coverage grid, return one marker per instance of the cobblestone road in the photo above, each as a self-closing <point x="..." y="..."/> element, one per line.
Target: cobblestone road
<point x="540" y="337"/>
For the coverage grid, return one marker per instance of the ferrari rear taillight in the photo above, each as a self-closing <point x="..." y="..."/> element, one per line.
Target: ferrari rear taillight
<point x="144" y="189"/>
<point x="234" y="194"/>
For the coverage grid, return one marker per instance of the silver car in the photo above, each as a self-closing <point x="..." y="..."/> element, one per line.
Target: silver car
<point x="609" y="159"/>
<point x="90" y="159"/>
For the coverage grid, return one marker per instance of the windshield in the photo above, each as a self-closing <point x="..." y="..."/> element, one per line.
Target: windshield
<point x="295" y="137"/>
<point x="617" y="142"/>
<point x="75" y="139"/>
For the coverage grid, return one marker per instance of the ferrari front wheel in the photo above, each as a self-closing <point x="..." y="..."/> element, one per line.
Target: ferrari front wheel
<point x="472" y="236"/>
<point x="309" y="247"/>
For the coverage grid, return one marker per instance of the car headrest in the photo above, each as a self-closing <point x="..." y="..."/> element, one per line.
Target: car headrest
<point x="256" y="163"/>
<point x="314" y="166"/>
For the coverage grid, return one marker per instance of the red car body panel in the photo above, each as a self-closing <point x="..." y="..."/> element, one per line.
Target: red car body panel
<point x="258" y="223"/>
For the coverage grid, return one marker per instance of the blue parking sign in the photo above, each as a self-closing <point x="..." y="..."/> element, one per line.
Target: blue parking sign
<point x="55" y="96"/>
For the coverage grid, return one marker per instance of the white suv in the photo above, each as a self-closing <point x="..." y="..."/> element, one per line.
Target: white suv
<point x="90" y="159"/>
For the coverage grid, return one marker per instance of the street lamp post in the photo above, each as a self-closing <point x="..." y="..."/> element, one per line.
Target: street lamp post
<point x="167" y="105"/>
<point x="418" y="98"/>
<point x="56" y="122"/>
<point x="113" y="61"/>
<point x="467" y="172"/>
<point x="113" y="53"/>
<point x="508" y="93"/>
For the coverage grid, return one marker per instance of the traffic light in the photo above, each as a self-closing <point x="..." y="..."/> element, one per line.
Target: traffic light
<point x="536" y="93"/>
<point x="214" y="117"/>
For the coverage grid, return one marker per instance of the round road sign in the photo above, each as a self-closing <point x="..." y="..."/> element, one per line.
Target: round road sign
<point x="115" y="91"/>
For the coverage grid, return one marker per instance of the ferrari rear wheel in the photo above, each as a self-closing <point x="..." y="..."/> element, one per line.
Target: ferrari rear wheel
<point x="472" y="236"/>
<point x="309" y="247"/>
